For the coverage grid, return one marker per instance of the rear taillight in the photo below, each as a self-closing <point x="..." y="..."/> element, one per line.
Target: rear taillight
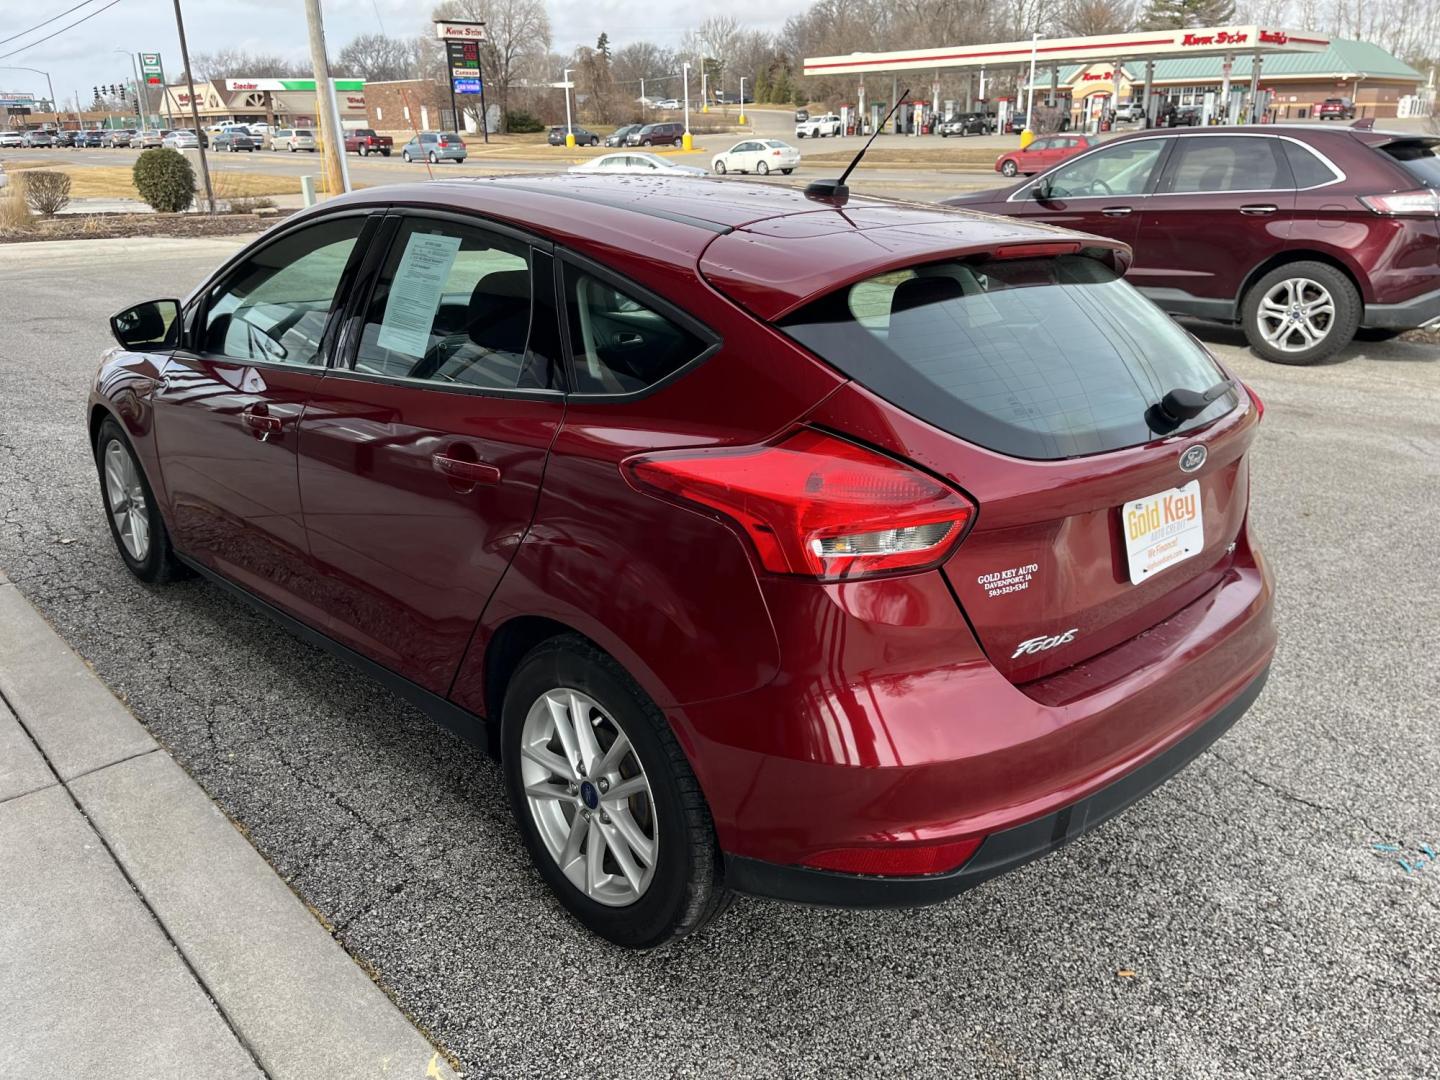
<point x="1259" y="405"/>
<point x="1424" y="202"/>
<point x="816" y="505"/>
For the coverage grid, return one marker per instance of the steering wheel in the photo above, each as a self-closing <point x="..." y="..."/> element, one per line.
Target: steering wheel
<point x="1098" y="183"/>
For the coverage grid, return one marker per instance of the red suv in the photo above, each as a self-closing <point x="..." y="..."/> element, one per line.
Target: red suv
<point x="849" y="554"/>
<point x="1301" y="235"/>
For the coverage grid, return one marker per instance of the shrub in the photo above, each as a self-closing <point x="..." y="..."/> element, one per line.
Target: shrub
<point x="165" y="180"/>
<point x="519" y="122"/>
<point x="47" y="192"/>
<point x="14" y="213"/>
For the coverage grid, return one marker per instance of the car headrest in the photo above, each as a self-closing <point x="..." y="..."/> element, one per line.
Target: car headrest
<point x="919" y="291"/>
<point x="499" y="314"/>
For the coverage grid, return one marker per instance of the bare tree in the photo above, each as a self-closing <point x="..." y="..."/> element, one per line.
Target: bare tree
<point x="1080" y="18"/>
<point x="239" y="64"/>
<point x="380" y="58"/>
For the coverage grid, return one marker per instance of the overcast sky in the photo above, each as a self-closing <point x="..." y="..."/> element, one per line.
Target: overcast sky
<point x="82" y="57"/>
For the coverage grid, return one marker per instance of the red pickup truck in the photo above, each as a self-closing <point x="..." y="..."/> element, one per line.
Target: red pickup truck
<point x="364" y="141"/>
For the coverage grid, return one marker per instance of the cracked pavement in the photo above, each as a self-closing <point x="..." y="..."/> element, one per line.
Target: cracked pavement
<point x="1265" y="935"/>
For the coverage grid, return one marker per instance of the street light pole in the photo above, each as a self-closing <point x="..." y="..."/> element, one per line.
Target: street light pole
<point x="48" y="83"/>
<point x="686" y="140"/>
<point x="1027" y="136"/>
<point x="704" y="86"/>
<point x="569" y="125"/>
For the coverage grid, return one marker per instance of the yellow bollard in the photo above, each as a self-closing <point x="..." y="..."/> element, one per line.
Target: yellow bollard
<point x="570" y="140"/>
<point x="742" y="119"/>
<point x="1026" y="137"/>
<point x="686" y="142"/>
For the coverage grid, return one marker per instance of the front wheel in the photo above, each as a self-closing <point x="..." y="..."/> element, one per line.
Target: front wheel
<point x="607" y="804"/>
<point x="719" y="168"/>
<point x="646" y="142"/>
<point x="135" y="522"/>
<point x="762" y="168"/>
<point x="406" y="155"/>
<point x="678" y="143"/>
<point x="1009" y="168"/>
<point x="1300" y="313"/>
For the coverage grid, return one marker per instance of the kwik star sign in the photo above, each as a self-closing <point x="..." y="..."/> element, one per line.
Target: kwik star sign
<point x="460" y="31"/>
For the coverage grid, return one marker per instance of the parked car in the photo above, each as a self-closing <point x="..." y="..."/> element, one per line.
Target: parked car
<point x="235" y="139"/>
<point x="435" y="146"/>
<point x="297" y="139"/>
<point x="1041" y="154"/>
<point x="817" y="127"/>
<point x="583" y="137"/>
<point x="181" y="139"/>
<point x="39" y="139"/>
<point x="668" y="103"/>
<point x="1300" y="234"/>
<point x="657" y="135"/>
<point x="1129" y="111"/>
<point x="801" y="115"/>
<point x="1015" y="123"/>
<point x="11" y="138"/>
<point x="757" y="156"/>
<point x="620" y="134"/>
<point x="759" y="584"/>
<point x="967" y="124"/>
<point x="1335" y="108"/>
<point x="635" y="164"/>
<point x="91" y="138"/>
<point x="367" y="141"/>
<point x="118" y="137"/>
<point x="66" y="138"/>
<point x="149" y="139"/>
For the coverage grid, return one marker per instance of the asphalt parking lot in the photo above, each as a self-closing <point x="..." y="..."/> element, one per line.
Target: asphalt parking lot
<point x="1237" y="922"/>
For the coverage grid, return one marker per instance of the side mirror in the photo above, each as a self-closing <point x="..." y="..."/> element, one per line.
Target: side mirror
<point x="149" y="327"/>
<point x="1041" y="190"/>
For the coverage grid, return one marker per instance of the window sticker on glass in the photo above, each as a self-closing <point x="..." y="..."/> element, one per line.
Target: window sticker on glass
<point x="415" y="293"/>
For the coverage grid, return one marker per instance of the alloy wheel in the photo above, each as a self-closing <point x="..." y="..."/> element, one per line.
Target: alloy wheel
<point x="125" y="499"/>
<point x="1296" y="314"/>
<point x="589" y="797"/>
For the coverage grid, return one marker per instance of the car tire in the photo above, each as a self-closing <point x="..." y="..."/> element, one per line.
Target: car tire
<point x="384" y="153"/>
<point x="719" y="167"/>
<point x="364" y="150"/>
<point x="762" y="168"/>
<point x="799" y="134"/>
<point x="682" y="888"/>
<point x="647" y="142"/>
<point x="1009" y="168"/>
<point x="787" y="172"/>
<point x="405" y="154"/>
<point x="138" y="530"/>
<point x="1324" y="298"/>
<point x="678" y="143"/>
<point x="433" y="158"/>
<point x="594" y="142"/>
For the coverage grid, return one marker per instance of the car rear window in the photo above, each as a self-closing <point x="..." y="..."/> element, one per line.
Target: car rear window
<point x="1417" y="157"/>
<point x="1036" y="358"/>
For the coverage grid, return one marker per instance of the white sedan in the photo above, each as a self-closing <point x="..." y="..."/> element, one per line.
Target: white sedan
<point x="182" y="140"/>
<point x="636" y="164"/>
<point x="757" y="156"/>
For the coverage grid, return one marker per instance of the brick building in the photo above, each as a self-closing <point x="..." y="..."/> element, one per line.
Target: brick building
<point x="411" y="105"/>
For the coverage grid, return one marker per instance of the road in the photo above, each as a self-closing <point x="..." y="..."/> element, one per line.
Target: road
<point x="1265" y="935"/>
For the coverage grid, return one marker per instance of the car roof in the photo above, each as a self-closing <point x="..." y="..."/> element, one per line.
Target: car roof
<point x="769" y="247"/>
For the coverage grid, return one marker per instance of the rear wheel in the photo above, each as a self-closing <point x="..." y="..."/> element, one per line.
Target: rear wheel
<point x="762" y="168"/>
<point x="1300" y="313"/>
<point x="135" y="522"/>
<point x="433" y="158"/>
<point x="787" y="172"/>
<point x="608" y="806"/>
<point x="594" y="142"/>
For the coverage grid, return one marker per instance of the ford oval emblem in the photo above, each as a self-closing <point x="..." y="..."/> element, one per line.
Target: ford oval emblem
<point x="1193" y="458"/>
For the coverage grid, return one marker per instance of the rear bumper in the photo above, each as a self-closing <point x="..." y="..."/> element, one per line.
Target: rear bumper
<point x="1001" y="851"/>
<point x="1418" y="311"/>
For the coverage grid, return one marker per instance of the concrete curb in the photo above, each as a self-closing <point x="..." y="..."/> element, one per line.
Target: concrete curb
<point x="127" y="876"/>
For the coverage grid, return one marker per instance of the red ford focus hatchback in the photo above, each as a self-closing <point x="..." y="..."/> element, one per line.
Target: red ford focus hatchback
<point x="843" y="553"/>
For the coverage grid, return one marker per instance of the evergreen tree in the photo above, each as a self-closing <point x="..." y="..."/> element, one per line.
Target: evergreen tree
<point x="602" y="45"/>
<point x="1179" y="14"/>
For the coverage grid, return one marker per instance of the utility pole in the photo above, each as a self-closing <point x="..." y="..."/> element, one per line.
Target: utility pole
<point x="332" y="139"/>
<point x="194" y="109"/>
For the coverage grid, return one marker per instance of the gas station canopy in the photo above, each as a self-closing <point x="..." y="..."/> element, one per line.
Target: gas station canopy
<point x="1144" y="45"/>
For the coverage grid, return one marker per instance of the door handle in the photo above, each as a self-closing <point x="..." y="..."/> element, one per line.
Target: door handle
<point x="262" y="424"/>
<point x="466" y="472"/>
<point x="1116" y="211"/>
<point x="1259" y="209"/>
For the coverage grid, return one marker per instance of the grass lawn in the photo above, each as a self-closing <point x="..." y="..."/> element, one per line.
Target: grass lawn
<point x="113" y="181"/>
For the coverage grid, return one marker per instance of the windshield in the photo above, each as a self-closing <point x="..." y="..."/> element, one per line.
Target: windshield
<point x="1037" y="358"/>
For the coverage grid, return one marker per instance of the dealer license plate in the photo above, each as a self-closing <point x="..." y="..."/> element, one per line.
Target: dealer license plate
<point x="1162" y="530"/>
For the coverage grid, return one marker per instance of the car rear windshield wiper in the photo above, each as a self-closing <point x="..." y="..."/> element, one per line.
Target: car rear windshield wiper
<point x="1183" y="404"/>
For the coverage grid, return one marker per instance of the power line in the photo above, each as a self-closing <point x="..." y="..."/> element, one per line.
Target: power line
<point x="57" y="33"/>
<point x="67" y="11"/>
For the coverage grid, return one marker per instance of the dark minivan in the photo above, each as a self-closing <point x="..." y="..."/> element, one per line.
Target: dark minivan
<point x="657" y="135"/>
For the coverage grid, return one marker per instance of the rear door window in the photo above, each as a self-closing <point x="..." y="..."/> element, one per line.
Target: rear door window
<point x="1036" y="358"/>
<point x="619" y="344"/>
<point x="1219" y="163"/>
<point x="1307" y="169"/>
